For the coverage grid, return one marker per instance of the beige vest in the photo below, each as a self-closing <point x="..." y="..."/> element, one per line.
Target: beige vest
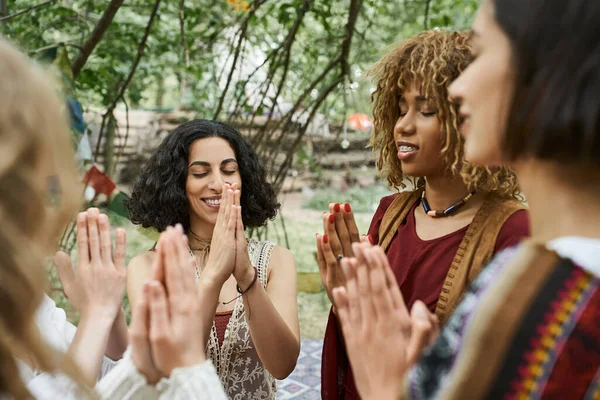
<point x="474" y="252"/>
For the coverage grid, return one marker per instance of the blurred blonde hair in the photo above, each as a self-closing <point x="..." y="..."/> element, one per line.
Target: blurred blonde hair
<point x="39" y="194"/>
<point x="432" y="60"/>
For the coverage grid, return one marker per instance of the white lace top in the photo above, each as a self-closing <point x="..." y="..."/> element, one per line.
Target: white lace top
<point x="242" y="373"/>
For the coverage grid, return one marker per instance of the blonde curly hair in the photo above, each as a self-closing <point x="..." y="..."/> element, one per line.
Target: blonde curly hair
<point x="432" y="60"/>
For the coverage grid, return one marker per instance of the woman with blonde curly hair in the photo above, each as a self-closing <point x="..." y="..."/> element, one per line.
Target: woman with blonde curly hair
<point x="440" y="234"/>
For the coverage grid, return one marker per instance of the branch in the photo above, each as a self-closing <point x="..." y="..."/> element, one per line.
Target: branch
<point x="288" y="52"/>
<point x="238" y="49"/>
<point x="185" y="49"/>
<point x="278" y="181"/>
<point x="355" y="7"/>
<point x="25" y="11"/>
<point x="140" y="53"/>
<point x="426" y="22"/>
<point x="95" y="37"/>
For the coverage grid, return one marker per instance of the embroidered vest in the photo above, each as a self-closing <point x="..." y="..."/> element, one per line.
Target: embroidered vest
<point x="241" y="372"/>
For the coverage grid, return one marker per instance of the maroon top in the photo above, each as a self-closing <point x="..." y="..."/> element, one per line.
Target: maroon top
<point x="221" y="322"/>
<point x="420" y="267"/>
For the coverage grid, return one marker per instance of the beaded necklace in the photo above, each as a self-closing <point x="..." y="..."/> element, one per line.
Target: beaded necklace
<point x="448" y="211"/>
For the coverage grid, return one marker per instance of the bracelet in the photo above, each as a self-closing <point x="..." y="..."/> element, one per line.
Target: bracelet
<point x="243" y="292"/>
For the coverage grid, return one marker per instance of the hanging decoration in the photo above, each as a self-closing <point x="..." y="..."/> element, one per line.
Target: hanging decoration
<point x="360" y="122"/>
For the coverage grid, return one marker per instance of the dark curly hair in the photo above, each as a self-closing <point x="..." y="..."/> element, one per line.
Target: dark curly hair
<point x="158" y="198"/>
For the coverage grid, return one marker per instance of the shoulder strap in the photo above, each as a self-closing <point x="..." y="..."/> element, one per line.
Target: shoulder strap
<point x="395" y="215"/>
<point x="260" y="255"/>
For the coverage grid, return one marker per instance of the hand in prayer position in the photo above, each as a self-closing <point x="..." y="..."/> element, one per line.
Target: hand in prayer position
<point x="340" y="231"/>
<point x="382" y="339"/>
<point x="167" y="330"/>
<point x="243" y="271"/>
<point x="221" y="260"/>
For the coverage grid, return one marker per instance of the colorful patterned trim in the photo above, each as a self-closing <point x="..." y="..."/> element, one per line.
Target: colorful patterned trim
<point x="557" y="324"/>
<point x="594" y="390"/>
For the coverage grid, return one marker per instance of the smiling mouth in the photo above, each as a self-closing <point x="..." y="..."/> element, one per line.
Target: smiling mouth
<point x="213" y="203"/>
<point x="407" y="149"/>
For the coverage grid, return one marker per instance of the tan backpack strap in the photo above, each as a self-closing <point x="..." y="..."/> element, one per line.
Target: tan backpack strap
<point x="475" y="251"/>
<point x="395" y="215"/>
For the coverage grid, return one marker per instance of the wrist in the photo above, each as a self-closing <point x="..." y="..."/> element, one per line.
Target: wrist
<point x="101" y="311"/>
<point x="209" y="279"/>
<point x="97" y="320"/>
<point x="189" y="360"/>
<point x="245" y="278"/>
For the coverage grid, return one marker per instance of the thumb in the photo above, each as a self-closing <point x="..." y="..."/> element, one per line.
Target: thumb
<point x="422" y="329"/>
<point x="64" y="266"/>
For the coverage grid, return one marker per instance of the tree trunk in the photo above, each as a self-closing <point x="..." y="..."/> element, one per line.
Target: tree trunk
<point x="95" y="37"/>
<point x="3" y="9"/>
<point x="160" y="92"/>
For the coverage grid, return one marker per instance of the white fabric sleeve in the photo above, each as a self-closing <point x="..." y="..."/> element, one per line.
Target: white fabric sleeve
<point x="54" y="386"/>
<point x="197" y="382"/>
<point x="107" y="366"/>
<point x="122" y="382"/>
<point x="125" y="382"/>
<point x="59" y="333"/>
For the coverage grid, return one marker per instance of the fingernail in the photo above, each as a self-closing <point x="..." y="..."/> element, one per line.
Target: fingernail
<point x="325" y="239"/>
<point x="179" y="228"/>
<point x="347" y="207"/>
<point x="81" y="217"/>
<point x="331" y="218"/>
<point x="370" y="239"/>
<point x="336" y="208"/>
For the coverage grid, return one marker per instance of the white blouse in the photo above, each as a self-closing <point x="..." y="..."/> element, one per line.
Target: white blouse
<point x="120" y="379"/>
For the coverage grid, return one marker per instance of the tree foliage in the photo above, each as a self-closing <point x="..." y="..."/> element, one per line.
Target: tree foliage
<point x="232" y="60"/>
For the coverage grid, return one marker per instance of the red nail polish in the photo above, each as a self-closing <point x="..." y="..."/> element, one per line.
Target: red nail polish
<point x="331" y="218"/>
<point x="347" y="207"/>
<point x="336" y="208"/>
<point x="325" y="239"/>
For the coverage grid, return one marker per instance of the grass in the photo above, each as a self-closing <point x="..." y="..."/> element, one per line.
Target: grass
<point x="362" y="200"/>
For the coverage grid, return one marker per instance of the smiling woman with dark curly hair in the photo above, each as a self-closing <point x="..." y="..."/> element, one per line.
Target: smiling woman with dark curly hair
<point x="439" y="234"/>
<point x="205" y="177"/>
<point x="159" y="198"/>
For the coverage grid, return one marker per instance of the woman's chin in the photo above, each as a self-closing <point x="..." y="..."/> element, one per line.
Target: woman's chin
<point x="482" y="156"/>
